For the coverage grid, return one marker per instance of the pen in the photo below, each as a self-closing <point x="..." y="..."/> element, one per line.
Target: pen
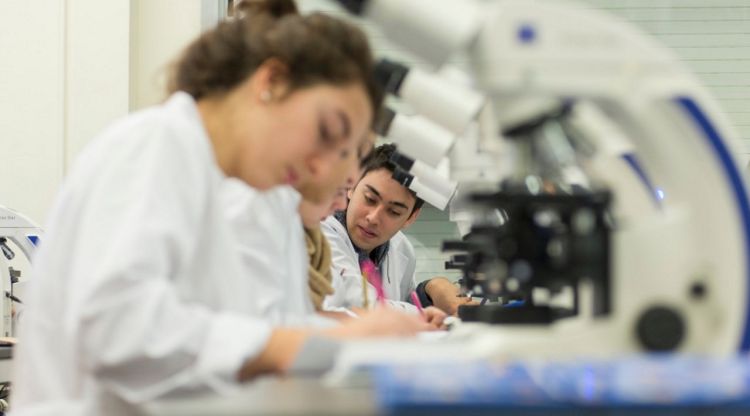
<point x="416" y="302"/>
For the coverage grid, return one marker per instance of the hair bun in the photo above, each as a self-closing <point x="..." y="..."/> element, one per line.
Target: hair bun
<point x="275" y="9"/>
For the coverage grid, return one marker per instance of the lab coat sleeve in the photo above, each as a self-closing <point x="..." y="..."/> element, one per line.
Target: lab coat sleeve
<point x="137" y="335"/>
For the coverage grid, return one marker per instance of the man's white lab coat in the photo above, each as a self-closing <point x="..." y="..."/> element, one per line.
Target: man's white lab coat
<point x="397" y="270"/>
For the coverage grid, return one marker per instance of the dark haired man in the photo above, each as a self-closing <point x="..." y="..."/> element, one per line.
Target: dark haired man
<point x="370" y="228"/>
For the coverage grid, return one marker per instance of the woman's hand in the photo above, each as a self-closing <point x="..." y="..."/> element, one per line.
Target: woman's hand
<point x="434" y="317"/>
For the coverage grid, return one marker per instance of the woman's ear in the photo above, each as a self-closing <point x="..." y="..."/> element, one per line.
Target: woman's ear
<point x="270" y="82"/>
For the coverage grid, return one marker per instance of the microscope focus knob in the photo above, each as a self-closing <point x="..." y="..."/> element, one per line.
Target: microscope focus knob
<point x="660" y="329"/>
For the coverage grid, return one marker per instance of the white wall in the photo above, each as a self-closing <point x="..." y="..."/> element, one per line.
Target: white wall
<point x="31" y="103"/>
<point x="70" y="67"/>
<point x="61" y="80"/>
<point x="96" y="69"/>
<point x="159" y="29"/>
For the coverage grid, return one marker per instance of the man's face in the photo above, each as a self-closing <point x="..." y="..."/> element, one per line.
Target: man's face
<point x="378" y="208"/>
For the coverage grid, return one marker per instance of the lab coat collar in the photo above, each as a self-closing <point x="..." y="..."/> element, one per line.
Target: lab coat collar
<point x="184" y="103"/>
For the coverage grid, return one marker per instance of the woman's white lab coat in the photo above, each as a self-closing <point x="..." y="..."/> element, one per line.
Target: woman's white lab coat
<point x="271" y="242"/>
<point x="133" y="291"/>
<point x="397" y="270"/>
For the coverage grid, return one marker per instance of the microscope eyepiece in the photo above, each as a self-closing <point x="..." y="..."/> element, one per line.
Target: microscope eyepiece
<point x="390" y="75"/>
<point x="354" y="6"/>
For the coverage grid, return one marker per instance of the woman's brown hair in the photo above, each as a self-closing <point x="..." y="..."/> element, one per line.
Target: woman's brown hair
<point x="316" y="48"/>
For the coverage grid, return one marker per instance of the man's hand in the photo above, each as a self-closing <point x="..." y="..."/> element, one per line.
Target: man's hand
<point x="445" y="295"/>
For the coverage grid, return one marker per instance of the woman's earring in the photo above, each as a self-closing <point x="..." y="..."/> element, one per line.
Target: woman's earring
<point x="265" y="96"/>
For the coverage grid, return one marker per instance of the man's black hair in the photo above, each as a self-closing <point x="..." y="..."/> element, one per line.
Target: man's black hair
<point x="380" y="158"/>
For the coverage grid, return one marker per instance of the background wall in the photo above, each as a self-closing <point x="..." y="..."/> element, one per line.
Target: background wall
<point x="159" y="29"/>
<point x="70" y="67"/>
<point x="711" y="36"/>
<point x="96" y="76"/>
<point x="32" y="70"/>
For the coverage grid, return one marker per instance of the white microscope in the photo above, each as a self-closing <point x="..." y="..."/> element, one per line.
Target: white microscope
<point x="17" y="233"/>
<point x="607" y="210"/>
